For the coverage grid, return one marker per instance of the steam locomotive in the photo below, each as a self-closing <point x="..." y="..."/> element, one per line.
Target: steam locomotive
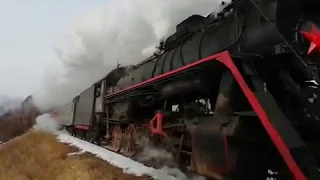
<point x="231" y="95"/>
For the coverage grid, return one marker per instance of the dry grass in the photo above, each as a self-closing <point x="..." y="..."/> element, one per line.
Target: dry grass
<point x="39" y="156"/>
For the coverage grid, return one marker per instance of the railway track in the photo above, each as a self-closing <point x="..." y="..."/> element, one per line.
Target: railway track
<point x="160" y="156"/>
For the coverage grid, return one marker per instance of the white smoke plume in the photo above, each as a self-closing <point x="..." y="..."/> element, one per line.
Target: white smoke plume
<point x="46" y="123"/>
<point x="123" y="31"/>
<point x="158" y="157"/>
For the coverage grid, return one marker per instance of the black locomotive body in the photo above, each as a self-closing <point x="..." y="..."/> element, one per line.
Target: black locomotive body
<point x="230" y="95"/>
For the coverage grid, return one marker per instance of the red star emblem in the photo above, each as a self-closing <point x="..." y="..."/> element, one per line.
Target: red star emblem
<point x="314" y="37"/>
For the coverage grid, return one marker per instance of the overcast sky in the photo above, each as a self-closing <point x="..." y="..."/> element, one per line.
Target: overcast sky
<point x="28" y="31"/>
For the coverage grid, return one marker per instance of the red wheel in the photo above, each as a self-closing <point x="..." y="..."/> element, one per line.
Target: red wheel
<point x="116" y="138"/>
<point x="130" y="141"/>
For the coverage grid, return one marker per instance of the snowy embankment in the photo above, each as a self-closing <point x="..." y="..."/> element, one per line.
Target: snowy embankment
<point x="128" y="165"/>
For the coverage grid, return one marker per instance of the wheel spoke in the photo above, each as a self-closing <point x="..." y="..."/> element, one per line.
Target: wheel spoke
<point x="130" y="139"/>
<point x="116" y="140"/>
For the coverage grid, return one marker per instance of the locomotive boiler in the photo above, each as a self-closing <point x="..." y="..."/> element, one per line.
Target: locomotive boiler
<point x="231" y="95"/>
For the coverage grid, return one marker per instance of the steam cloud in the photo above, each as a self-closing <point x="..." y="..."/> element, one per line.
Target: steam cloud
<point x="153" y="156"/>
<point x="46" y="123"/>
<point x="160" y="158"/>
<point x="123" y="31"/>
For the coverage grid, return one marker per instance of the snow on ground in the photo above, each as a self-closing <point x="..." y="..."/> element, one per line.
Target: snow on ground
<point x="46" y="123"/>
<point x="76" y="153"/>
<point x="128" y="165"/>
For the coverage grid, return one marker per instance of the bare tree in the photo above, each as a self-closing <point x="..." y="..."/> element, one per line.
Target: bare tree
<point x="16" y="123"/>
